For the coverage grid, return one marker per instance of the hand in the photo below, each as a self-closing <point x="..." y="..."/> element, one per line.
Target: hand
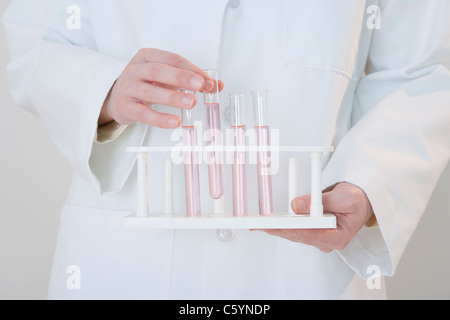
<point x="154" y="77"/>
<point x="351" y="207"/>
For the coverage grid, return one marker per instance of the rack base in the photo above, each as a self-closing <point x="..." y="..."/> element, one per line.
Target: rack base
<point x="223" y="221"/>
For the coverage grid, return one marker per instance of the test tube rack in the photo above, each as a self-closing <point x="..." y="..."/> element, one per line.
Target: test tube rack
<point x="144" y="219"/>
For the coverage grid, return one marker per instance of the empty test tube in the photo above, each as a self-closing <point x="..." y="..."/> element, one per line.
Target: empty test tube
<point x="239" y="171"/>
<point x="264" y="170"/>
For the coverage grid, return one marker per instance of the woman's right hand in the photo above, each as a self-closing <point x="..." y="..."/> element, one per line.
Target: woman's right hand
<point x="154" y="77"/>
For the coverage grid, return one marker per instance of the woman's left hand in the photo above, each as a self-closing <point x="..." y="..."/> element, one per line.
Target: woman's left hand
<point x="352" y="209"/>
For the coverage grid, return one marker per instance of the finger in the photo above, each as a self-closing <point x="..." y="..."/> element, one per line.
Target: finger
<point x="305" y="236"/>
<point x="171" y="77"/>
<point x="332" y="201"/>
<point x="273" y="232"/>
<point x="174" y="60"/>
<point x="301" y="205"/>
<point x="155" y="94"/>
<point x="217" y="86"/>
<point x="325" y="240"/>
<point x="141" y="113"/>
<point x="220" y="85"/>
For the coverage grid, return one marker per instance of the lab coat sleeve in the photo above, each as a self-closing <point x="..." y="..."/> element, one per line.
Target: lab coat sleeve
<point x="57" y="73"/>
<point x="399" y="144"/>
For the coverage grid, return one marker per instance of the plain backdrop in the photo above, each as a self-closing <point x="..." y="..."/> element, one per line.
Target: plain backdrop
<point x="34" y="180"/>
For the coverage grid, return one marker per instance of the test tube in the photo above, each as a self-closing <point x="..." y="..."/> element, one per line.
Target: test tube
<point x="213" y="137"/>
<point x="265" y="194"/>
<point x="168" y="186"/>
<point x="190" y="157"/>
<point x="293" y="182"/>
<point x="239" y="170"/>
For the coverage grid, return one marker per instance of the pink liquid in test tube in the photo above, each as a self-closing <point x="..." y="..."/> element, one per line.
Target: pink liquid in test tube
<point x="190" y="158"/>
<point x="265" y="192"/>
<point x="239" y="167"/>
<point x="214" y="138"/>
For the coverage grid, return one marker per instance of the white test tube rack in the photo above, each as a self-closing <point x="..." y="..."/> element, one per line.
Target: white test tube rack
<point x="144" y="219"/>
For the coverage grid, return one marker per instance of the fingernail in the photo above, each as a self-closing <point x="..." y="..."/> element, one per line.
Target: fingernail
<point x="209" y="85"/>
<point x="299" y="205"/>
<point x="197" y="83"/>
<point x="173" y="122"/>
<point x="187" y="101"/>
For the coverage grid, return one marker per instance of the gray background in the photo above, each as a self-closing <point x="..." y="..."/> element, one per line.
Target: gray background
<point x="34" y="180"/>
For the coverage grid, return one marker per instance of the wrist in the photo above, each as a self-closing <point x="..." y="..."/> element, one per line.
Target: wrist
<point x="370" y="220"/>
<point x="105" y="117"/>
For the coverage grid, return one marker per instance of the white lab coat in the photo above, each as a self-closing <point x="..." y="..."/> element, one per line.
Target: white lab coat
<point x="381" y="96"/>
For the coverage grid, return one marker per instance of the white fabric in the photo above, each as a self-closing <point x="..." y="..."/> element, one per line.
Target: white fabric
<point x="380" y="96"/>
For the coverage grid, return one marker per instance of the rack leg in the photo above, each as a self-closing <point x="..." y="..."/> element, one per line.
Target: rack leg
<point x="219" y="204"/>
<point x="316" y="209"/>
<point x="142" y="172"/>
<point x="293" y="178"/>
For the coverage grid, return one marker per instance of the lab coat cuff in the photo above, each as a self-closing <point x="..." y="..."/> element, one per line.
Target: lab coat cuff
<point x="111" y="163"/>
<point x="366" y="254"/>
<point x="369" y="247"/>
<point x="372" y="222"/>
<point x="109" y="132"/>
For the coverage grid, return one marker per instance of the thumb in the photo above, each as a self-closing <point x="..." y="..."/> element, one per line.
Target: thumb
<point x="301" y="204"/>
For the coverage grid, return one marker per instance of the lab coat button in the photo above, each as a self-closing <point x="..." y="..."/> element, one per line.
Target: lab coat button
<point x="226" y="235"/>
<point x="234" y="3"/>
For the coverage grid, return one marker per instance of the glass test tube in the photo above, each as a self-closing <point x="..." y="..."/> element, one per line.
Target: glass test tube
<point x="239" y="170"/>
<point x="213" y="137"/>
<point x="190" y="158"/>
<point x="265" y="194"/>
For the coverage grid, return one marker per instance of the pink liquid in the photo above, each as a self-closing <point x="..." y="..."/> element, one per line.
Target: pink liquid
<point x="213" y="138"/>
<point x="265" y="195"/>
<point x="191" y="173"/>
<point x="239" y="174"/>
